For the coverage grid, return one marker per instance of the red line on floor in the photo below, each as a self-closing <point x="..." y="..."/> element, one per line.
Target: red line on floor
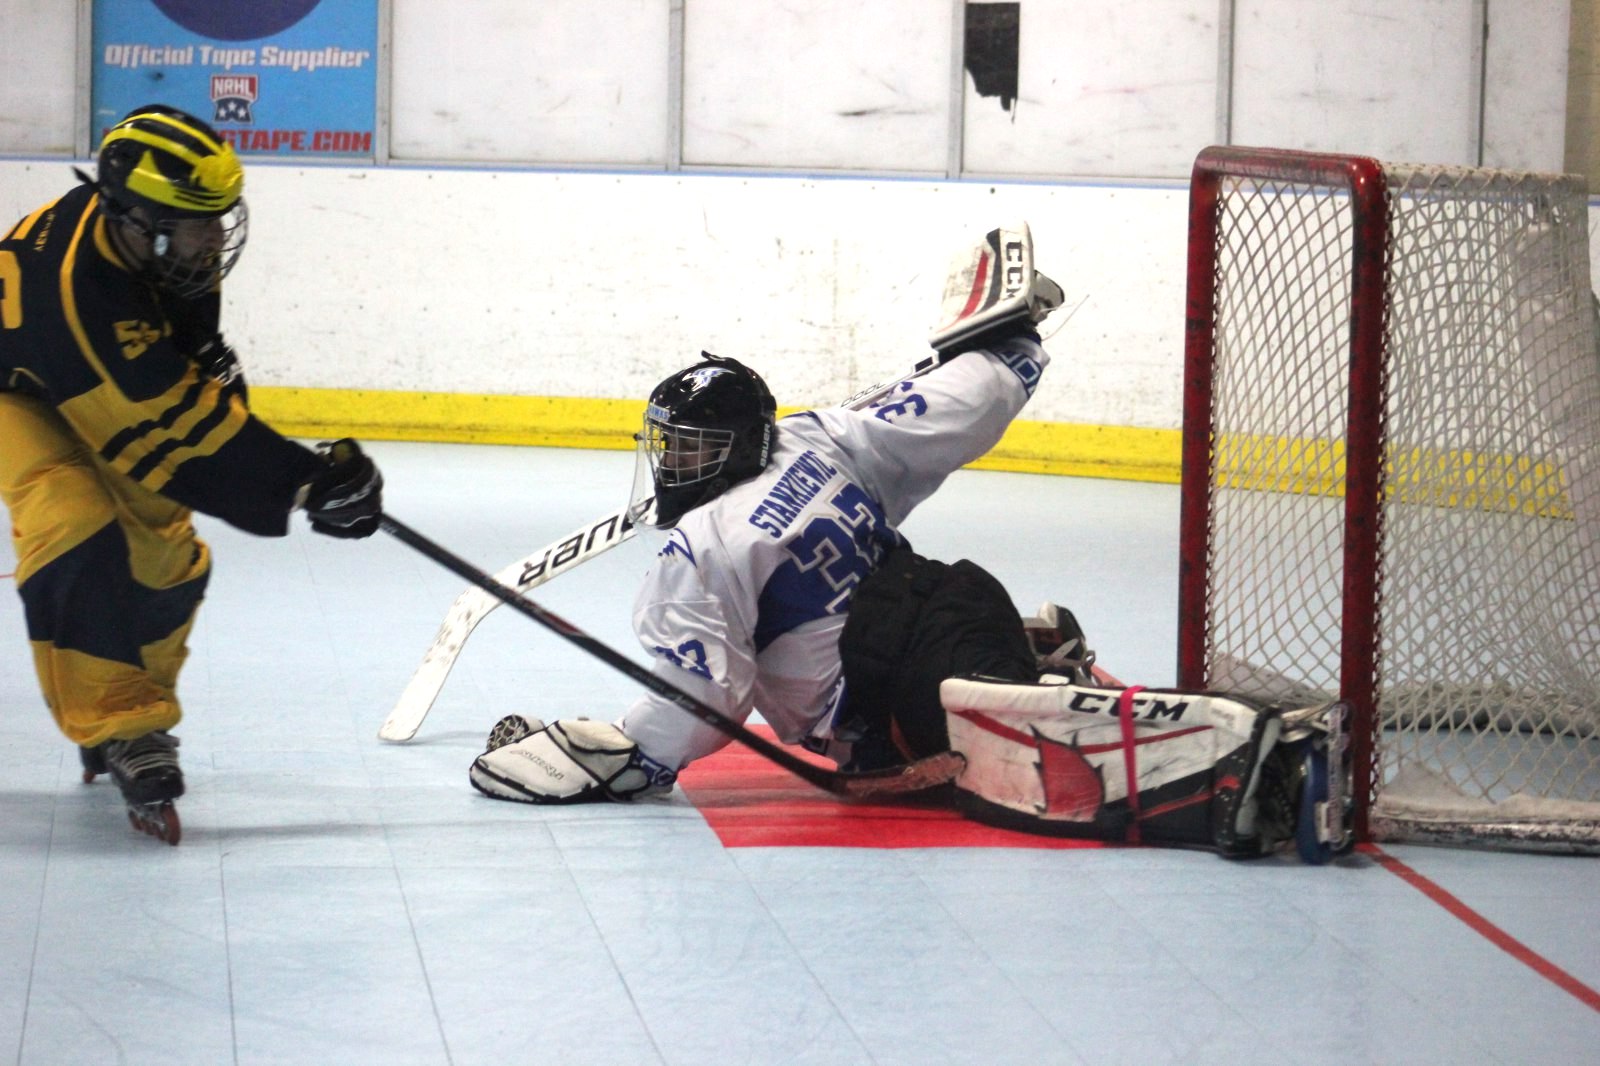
<point x="1487" y="929"/>
<point x="749" y="802"/>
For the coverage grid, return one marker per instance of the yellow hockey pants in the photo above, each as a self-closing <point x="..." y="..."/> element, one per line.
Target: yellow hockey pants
<point x="110" y="576"/>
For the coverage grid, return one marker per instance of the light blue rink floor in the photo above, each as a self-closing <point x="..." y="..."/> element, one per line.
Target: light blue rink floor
<point x="341" y="900"/>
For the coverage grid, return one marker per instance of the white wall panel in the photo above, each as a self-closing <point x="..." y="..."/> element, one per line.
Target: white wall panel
<point x="557" y="81"/>
<point x="1525" y="84"/>
<point x="1371" y="77"/>
<point x="822" y="84"/>
<point x="599" y="285"/>
<point x="1105" y="88"/>
<point x="38" y="76"/>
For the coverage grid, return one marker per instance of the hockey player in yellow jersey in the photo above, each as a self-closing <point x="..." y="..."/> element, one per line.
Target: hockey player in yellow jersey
<point x="122" y="410"/>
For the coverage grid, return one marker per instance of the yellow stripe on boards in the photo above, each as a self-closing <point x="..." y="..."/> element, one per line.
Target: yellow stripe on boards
<point x="461" y="418"/>
<point x="1118" y="452"/>
<point x="1123" y="453"/>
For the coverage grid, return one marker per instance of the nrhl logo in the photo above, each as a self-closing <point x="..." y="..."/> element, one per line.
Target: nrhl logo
<point x="231" y="97"/>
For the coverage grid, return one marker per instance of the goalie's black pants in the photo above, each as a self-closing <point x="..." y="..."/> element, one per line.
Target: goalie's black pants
<point x="912" y="623"/>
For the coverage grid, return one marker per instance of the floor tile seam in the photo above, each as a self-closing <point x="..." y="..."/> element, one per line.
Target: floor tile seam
<point x="1374" y="964"/>
<point x="38" y="920"/>
<point x="616" y="967"/>
<point x="227" y="953"/>
<point x="416" y="947"/>
<point x="386" y="828"/>
<point x="799" y="955"/>
<point x="1022" y="993"/>
<point x="1203" y="978"/>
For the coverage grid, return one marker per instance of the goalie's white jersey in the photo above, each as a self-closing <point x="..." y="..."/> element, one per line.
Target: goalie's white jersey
<point x="744" y="605"/>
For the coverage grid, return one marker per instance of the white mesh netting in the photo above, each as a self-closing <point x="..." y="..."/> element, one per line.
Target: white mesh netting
<point x="1488" y="669"/>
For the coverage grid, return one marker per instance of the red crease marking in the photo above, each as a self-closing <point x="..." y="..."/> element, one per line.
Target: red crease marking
<point x="752" y="803"/>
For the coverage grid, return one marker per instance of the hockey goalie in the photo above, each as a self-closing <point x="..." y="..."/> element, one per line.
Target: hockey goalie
<point x="783" y="585"/>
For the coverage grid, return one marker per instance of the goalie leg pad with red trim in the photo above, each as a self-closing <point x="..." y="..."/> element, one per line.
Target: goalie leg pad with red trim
<point x="1055" y="759"/>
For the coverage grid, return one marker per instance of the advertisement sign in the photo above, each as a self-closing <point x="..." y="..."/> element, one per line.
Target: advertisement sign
<point x="283" y="77"/>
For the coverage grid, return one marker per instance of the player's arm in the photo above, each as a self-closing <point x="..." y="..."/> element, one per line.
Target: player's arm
<point x="195" y="442"/>
<point x="687" y="619"/>
<point x="152" y="414"/>
<point x="197" y="332"/>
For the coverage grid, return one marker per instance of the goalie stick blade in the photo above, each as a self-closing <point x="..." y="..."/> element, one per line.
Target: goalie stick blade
<point x="918" y="776"/>
<point x="414" y="703"/>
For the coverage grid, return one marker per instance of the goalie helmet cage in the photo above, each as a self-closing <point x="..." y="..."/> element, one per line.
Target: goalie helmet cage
<point x="1391" y="480"/>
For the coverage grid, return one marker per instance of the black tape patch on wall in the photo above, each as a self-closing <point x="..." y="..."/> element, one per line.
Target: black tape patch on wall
<point x="991" y="44"/>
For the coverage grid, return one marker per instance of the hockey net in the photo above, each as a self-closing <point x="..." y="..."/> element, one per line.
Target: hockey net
<point x="1391" y="486"/>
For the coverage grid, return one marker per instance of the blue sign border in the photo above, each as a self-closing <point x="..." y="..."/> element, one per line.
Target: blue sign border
<point x="293" y="78"/>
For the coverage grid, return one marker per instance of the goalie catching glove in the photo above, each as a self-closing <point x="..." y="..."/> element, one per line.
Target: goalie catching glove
<point x="573" y="760"/>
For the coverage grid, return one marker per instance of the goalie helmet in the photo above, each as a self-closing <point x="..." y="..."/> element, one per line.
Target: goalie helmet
<point x="706" y="429"/>
<point x="175" y="189"/>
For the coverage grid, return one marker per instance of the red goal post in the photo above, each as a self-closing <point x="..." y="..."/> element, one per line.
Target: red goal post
<point x="1391" y="479"/>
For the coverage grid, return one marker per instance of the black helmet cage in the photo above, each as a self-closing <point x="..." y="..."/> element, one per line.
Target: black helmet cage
<point x="705" y="430"/>
<point x="169" y="176"/>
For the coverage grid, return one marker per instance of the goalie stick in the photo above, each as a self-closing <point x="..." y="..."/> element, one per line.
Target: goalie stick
<point x="525" y="575"/>
<point x="924" y="773"/>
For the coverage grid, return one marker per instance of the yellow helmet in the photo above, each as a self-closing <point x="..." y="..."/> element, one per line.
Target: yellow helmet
<point x="159" y="168"/>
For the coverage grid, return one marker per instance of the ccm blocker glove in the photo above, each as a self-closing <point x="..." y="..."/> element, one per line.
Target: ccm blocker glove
<point x="345" y="497"/>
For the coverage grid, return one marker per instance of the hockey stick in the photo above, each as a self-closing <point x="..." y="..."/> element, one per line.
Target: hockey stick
<point x="524" y="575"/>
<point x="924" y="773"/>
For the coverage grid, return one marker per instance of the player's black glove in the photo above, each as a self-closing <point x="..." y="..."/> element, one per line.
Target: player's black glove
<point x="345" y="497"/>
<point x="216" y="359"/>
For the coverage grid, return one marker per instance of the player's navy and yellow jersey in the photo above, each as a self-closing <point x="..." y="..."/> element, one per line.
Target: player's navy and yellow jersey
<point x="113" y="357"/>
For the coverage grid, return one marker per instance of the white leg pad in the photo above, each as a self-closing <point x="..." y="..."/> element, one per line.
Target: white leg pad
<point x="1052" y="758"/>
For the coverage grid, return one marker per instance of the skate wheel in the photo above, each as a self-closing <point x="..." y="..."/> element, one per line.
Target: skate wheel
<point x="158" y="820"/>
<point x="1311" y="834"/>
<point x="93" y="763"/>
<point x="1311" y="848"/>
